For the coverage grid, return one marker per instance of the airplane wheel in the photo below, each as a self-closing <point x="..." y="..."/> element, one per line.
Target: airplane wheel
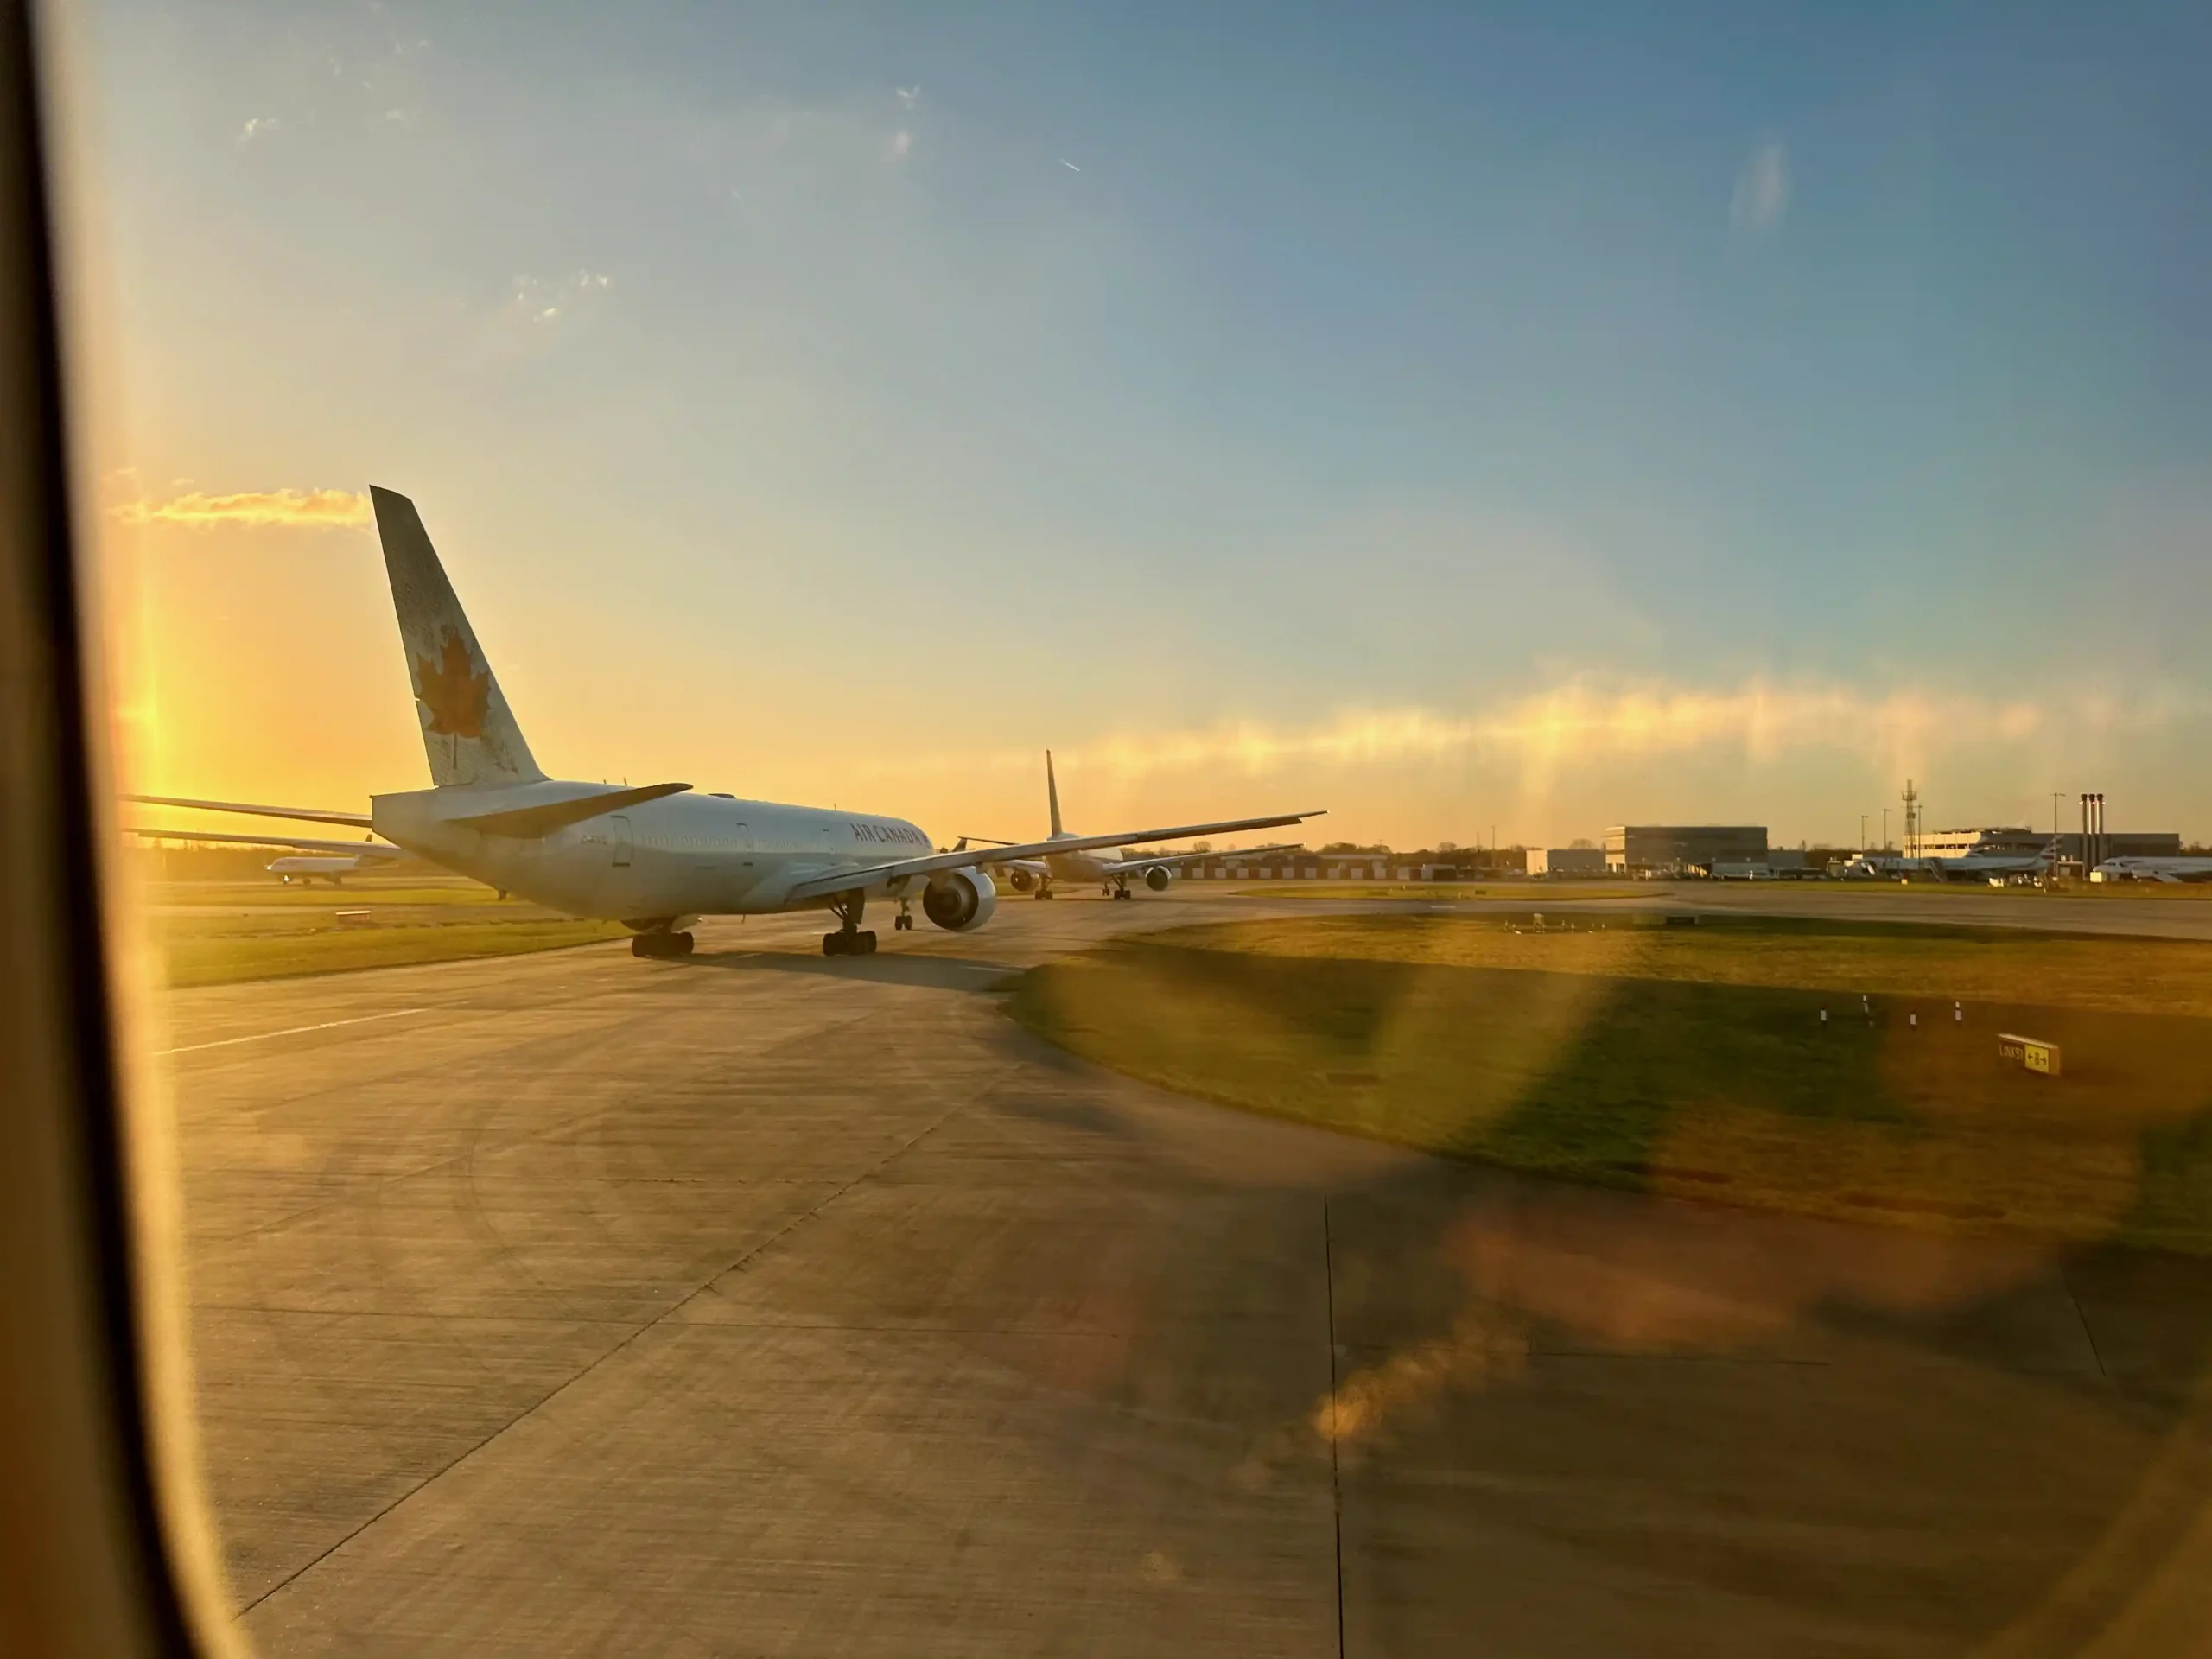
<point x="642" y="945"/>
<point x="866" y="942"/>
<point x="833" y="945"/>
<point x="683" y="945"/>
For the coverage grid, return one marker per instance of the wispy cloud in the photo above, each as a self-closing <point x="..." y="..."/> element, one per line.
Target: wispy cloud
<point x="909" y="96"/>
<point x="304" y="509"/>
<point x="1586" y="722"/>
<point x="546" y="300"/>
<point x="901" y="147"/>
<point x="257" y="126"/>
<point x="1761" y="195"/>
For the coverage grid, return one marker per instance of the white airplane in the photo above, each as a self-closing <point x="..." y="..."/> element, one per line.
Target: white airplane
<point x="657" y="857"/>
<point x="333" y="860"/>
<point x="1995" y="868"/>
<point x="2167" y="868"/>
<point x="1113" y="871"/>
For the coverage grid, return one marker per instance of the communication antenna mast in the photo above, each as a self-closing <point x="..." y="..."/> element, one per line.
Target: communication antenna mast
<point x="1911" y="820"/>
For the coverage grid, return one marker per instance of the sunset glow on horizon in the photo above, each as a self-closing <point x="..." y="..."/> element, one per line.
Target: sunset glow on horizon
<point x="1564" y="440"/>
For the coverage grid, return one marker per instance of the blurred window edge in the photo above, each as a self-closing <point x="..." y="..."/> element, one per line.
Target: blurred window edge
<point x="106" y="1545"/>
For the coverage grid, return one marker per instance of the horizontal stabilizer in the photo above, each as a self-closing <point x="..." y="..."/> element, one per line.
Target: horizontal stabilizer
<point x="312" y="815"/>
<point x="529" y="823"/>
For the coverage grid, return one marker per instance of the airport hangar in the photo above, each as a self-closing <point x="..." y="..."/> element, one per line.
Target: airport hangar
<point x="1641" y="849"/>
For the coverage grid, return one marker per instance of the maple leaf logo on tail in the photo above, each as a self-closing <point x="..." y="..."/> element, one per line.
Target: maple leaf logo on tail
<point x="451" y="688"/>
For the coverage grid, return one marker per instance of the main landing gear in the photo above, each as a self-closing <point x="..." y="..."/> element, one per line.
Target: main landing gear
<point x="1118" y="890"/>
<point x="1044" y="889"/>
<point x="848" y="940"/>
<point x="904" y="921"/>
<point x="662" y="944"/>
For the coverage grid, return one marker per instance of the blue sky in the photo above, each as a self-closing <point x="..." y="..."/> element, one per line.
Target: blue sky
<point x="1535" y="416"/>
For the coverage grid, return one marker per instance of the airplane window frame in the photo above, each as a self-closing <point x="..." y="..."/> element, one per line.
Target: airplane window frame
<point x="104" y="1548"/>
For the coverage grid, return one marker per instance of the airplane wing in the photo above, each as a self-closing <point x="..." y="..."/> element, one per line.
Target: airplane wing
<point x="863" y="875"/>
<point x="298" y="844"/>
<point x="311" y="815"/>
<point x="525" y="821"/>
<point x="1185" y="858"/>
<point x="1035" y="867"/>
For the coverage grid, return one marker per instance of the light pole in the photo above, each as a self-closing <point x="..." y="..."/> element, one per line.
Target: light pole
<point x="1885" y="828"/>
<point x="1862" y="832"/>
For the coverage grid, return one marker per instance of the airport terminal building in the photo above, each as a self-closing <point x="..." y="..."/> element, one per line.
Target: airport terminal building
<point x="1676" y="848"/>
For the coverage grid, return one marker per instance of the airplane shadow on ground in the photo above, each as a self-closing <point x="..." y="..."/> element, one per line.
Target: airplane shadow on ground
<point x="1606" y="1418"/>
<point x="930" y="973"/>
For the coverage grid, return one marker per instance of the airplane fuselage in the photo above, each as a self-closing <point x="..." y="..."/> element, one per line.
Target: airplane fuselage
<point x="1966" y="867"/>
<point x="2171" y="869"/>
<point x="332" y="868"/>
<point x="1076" y="868"/>
<point x="687" y="854"/>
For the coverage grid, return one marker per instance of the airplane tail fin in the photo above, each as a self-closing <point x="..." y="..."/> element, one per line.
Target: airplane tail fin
<point x="468" y="733"/>
<point x="1053" y="791"/>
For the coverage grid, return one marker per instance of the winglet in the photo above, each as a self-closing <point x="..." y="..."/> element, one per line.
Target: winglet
<point x="1053" y="791"/>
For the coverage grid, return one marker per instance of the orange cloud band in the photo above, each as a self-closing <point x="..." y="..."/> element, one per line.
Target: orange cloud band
<point x="307" y="508"/>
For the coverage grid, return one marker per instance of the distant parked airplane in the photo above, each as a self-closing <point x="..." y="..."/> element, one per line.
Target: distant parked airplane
<point x="2166" y="868"/>
<point x="1995" y="868"/>
<point x="656" y="857"/>
<point x="1113" y="868"/>
<point x="333" y="860"/>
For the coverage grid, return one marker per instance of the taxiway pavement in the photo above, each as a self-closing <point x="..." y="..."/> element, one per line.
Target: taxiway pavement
<point x="763" y="1304"/>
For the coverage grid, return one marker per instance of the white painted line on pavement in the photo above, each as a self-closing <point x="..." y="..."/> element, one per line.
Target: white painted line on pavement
<point x="291" y="1031"/>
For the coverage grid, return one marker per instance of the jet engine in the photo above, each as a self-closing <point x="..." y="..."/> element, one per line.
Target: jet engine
<point x="959" y="900"/>
<point x="1020" y="881"/>
<point x="1156" y="877"/>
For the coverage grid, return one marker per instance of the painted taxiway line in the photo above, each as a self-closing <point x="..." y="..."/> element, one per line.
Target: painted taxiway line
<point x="291" y="1031"/>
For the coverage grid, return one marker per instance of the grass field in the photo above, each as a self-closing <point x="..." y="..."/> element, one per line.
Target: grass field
<point x="1531" y="892"/>
<point x="1536" y="890"/>
<point x="215" y="932"/>
<point x="1693" y="1060"/>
